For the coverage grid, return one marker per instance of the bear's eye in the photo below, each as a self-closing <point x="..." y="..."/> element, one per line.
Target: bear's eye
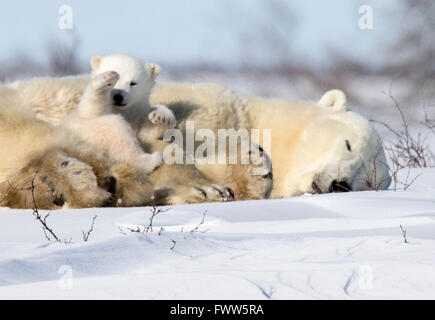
<point x="133" y="83"/>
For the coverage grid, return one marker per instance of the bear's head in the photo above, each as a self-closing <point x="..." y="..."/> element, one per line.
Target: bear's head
<point x="339" y="152"/>
<point x="327" y="148"/>
<point x="136" y="78"/>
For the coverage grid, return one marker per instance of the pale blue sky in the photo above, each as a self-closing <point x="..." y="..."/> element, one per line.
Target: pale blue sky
<point x="186" y="31"/>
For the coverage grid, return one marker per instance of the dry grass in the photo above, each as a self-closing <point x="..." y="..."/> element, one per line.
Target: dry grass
<point x="406" y="150"/>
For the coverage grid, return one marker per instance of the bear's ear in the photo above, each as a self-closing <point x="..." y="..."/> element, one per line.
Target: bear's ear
<point x="95" y="62"/>
<point x="154" y="69"/>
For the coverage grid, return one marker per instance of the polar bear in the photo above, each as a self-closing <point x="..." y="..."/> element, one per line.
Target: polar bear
<point x="130" y="94"/>
<point x="67" y="171"/>
<point x="95" y="123"/>
<point x="63" y="170"/>
<point x="316" y="147"/>
<point x="53" y="99"/>
<point x="57" y="169"/>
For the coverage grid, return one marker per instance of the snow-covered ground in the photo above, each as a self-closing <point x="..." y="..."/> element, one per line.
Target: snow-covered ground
<point x="312" y="247"/>
<point x="330" y="246"/>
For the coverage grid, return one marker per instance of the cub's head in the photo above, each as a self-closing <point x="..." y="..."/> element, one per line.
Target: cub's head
<point x="136" y="78"/>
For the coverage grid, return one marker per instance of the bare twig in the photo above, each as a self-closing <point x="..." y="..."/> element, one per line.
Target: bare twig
<point x="154" y="212"/>
<point x="404" y="234"/>
<point x="174" y="244"/>
<point x="196" y="229"/>
<point x="407" y="150"/>
<point x="48" y="231"/>
<point x="122" y="231"/>
<point x="88" y="233"/>
<point x="161" y="231"/>
<point x="42" y="220"/>
<point x="149" y="228"/>
<point x="394" y="170"/>
<point x="135" y="230"/>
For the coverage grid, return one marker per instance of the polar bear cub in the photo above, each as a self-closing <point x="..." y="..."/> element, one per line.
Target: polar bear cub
<point x="103" y="114"/>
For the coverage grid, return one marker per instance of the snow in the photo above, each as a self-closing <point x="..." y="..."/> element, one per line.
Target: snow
<point x="331" y="246"/>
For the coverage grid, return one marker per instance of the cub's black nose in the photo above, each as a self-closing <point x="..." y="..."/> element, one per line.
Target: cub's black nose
<point x="118" y="98"/>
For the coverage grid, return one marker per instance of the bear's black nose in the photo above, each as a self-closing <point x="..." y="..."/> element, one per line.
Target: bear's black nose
<point x="339" y="186"/>
<point x="118" y="98"/>
<point x="109" y="184"/>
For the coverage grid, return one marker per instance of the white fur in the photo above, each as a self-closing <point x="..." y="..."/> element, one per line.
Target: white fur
<point x="334" y="99"/>
<point x="311" y="142"/>
<point x="132" y="70"/>
<point x="95" y="119"/>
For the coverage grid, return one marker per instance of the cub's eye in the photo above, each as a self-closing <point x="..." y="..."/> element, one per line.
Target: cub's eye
<point x="133" y="83"/>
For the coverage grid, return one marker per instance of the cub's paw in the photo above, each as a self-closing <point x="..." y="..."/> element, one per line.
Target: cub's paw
<point x="162" y="115"/>
<point x="105" y="81"/>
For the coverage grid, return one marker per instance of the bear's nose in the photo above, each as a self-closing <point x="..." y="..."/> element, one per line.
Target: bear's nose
<point x="118" y="98"/>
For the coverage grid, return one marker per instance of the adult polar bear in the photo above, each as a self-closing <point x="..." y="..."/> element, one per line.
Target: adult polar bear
<point x="316" y="147"/>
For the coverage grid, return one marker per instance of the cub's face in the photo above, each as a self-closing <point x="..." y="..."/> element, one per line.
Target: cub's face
<point x="136" y="78"/>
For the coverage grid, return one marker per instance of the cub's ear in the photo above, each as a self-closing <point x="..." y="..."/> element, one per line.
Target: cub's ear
<point x="154" y="69"/>
<point x="95" y="62"/>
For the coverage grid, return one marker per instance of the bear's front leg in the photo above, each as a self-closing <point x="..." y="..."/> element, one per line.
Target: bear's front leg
<point x="128" y="183"/>
<point x="251" y="177"/>
<point x="96" y="99"/>
<point x="58" y="181"/>
<point x="181" y="184"/>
